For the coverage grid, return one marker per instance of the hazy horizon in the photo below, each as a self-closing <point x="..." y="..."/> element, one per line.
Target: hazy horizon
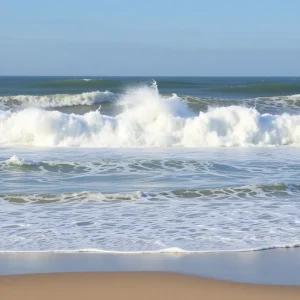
<point x="134" y="38"/>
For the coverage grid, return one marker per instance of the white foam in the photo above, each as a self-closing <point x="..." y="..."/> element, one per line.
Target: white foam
<point x="170" y="251"/>
<point x="150" y="120"/>
<point x="60" y="100"/>
<point x="287" y="98"/>
<point x="16" y="161"/>
<point x="291" y="101"/>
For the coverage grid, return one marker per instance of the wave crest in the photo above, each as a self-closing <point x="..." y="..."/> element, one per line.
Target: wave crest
<point x="150" y="120"/>
<point x="59" y="100"/>
<point x="256" y="192"/>
<point x="16" y="161"/>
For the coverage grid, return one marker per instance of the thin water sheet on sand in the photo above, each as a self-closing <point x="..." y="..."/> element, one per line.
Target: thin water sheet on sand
<point x="134" y="286"/>
<point x="279" y="266"/>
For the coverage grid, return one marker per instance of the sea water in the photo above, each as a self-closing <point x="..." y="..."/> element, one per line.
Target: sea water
<point x="164" y="164"/>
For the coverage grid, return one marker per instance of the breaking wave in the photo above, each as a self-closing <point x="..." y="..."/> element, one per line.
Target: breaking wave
<point x="149" y="120"/>
<point x="16" y="161"/>
<point x="255" y="192"/>
<point x="267" y="104"/>
<point x="59" y="100"/>
<point x="72" y="221"/>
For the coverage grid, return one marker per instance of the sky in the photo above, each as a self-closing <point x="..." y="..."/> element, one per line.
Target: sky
<point x="157" y="37"/>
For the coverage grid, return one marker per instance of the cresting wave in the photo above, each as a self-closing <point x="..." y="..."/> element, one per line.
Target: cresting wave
<point x="150" y="120"/>
<point x="59" y="100"/>
<point x="73" y="197"/>
<point x="16" y="161"/>
<point x="98" y="97"/>
<point x="257" y="192"/>
<point x="290" y="104"/>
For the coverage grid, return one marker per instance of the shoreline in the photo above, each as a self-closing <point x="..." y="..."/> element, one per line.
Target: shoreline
<point x="171" y="250"/>
<point x="276" y="267"/>
<point x="266" y="275"/>
<point x="135" y="285"/>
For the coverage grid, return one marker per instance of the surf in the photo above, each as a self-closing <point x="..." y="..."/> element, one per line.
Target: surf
<point x="58" y="100"/>
<point x="148" y="119"/>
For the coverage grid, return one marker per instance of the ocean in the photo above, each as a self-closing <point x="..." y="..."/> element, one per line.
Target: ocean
<point x="156" y="164"/>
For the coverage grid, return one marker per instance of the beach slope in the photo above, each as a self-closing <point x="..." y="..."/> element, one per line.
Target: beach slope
<point x="135" y="286"/>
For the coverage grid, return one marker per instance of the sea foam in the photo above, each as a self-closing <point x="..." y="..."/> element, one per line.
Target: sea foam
<point x="150" y="120"/>
<point x="59" y="100"/>
<point x="16" y="161"/>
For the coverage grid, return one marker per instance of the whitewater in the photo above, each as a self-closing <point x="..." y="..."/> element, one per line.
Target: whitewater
<point x="148" y="120"/>
<point x="137" y="165"/>
<point x="58" y="100"/>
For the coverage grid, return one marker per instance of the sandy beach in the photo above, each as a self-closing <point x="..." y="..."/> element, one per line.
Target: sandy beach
<point x="272" y="274"/>
<point x="134" y="285"/>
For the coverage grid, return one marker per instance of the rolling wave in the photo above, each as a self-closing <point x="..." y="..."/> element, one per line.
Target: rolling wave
<point x="112" y="165"/>
<point x="279" y="89"/>
<point x="114" y="83"/>
<point x="262" y="104"/>
<point x="80" y="82"/>
<point x="89" y="99"/>
<point x="63" y="166"/>
<point x="83" y="196"/>
<point x="255" y="192"/>
<point x="59" y="100"/>
<point x="150" y="120"/>
<point x="292" y="101"/>
<point x="16" y="161"/>
<point x="84" y="102"/>
<point x="237" y="218"/>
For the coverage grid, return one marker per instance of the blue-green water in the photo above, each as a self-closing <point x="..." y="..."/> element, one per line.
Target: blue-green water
<point x="149" y="164"/>
<point x="222" y="87"/>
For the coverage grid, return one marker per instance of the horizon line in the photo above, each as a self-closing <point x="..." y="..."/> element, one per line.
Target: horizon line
<point x="97" y="76"/>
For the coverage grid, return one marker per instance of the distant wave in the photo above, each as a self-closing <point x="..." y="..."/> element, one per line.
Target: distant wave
<point x="262" y="104"/>
<point x="59" y="100"/>
<point x="149" y="120"/>
<point x="257" y="88"/>
<point x="105" y="83"/>
<point x="80" y="82"/>
<point x="279" y="89"/>
<point x="284" y="101"/>
<point x="97" y="97"/>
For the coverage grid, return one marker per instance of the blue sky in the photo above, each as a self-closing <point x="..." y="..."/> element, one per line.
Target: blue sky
<point x="137" y="37"/>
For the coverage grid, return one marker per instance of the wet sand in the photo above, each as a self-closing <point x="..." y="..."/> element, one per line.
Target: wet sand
<point x="278" y="266"/>
<point x="271" y="274"/>
<point x="134" y="286"/>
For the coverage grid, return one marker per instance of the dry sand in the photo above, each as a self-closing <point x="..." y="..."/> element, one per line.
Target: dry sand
<point x="134" y="285"/>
